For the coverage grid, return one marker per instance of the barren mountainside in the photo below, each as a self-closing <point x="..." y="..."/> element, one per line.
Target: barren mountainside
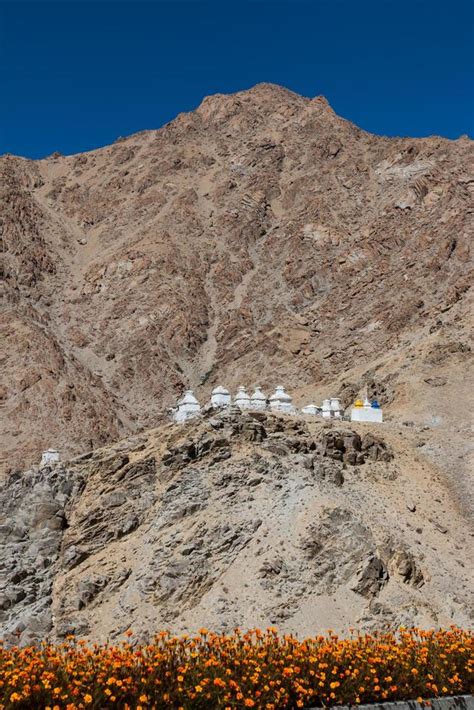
<point x="234" y="520"/>
<point x="260" y="239"/>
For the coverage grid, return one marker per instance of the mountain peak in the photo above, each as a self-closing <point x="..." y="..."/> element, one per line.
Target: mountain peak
<point x="263" y="98"/>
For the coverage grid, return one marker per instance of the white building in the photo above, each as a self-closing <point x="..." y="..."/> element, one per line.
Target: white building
<point x="258" y="400"/>
<point x="188" y="407"/>
<point x="326" y="409"/>
<point x="332" y="408"/>
<point x="366" y="411"/>
<point x="242" y="399"/>
<point x="311" y="409"/>
<point x="336" y="408"/>
<point x="220" y="397"/>
<point x="280" y="401"/>
<point x="49" y="457"/>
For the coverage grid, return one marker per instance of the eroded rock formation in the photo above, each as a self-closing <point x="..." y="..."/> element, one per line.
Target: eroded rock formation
<point x="234" y="519"/>
<point x="260" y="238"/>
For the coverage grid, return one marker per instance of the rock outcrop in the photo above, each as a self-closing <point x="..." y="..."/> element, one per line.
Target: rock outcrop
<point x="234" y="519"/>
<point x="260" y="238"/>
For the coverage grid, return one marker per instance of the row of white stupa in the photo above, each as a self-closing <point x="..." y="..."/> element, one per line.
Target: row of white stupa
<point x="280" y="401"/>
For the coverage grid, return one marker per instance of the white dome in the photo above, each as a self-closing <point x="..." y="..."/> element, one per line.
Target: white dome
<point x="281" y="401"/>
<point x="188" y="398"/>
<point x="258" y="400"/>
<point x="242" y="399"/>
<point x="220" y="397"/>
<point x="220" y="390"/>
<point x="51" y="456"/>
<point x="280" y="395"/>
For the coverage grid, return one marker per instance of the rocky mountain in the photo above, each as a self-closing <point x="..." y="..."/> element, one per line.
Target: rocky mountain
<point x="234" y="520"/>
<point x="258" y="239"/>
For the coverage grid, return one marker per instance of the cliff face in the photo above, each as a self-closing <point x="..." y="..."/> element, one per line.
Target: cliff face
<point x="260" y="237"/>
<point x="234" y="520"/>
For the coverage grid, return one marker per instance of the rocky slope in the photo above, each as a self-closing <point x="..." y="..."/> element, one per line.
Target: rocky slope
<point x="260" y="237"/>
<point x="234" y="519"/>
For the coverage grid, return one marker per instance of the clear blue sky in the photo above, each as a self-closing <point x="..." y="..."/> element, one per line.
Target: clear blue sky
<point x="76" y="75"/>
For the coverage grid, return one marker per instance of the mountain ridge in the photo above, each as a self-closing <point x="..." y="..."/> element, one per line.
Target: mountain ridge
<point x="260" y="229"/>
<point x="236" y="519"/>
<point x="255" y="90"/>
<point x="259" y="239"/>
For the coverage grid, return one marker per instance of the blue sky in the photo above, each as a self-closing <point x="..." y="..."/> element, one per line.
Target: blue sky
<point x="76" y="75"/>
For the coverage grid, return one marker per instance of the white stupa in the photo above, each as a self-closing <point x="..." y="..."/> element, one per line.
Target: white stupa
<point x="49" y="457"/>
<point x="242" y="399"/>
<point x="220" y="397"/>
<point x="258" y="400"/>
<point x="311" y="409"/>
<point x="280" y="401"/>
<point x="366" y="411"/>
<point x="336" y="408"/>
<point x="188" y="407"/>
<point x="327" y="409"/>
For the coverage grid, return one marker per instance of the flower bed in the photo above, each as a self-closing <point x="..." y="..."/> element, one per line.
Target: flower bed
<point x="252" y="670"/>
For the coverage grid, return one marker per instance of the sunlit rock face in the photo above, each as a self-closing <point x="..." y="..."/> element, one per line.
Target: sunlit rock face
<point x="258" y="239"/>
<point x="238" y="516"/>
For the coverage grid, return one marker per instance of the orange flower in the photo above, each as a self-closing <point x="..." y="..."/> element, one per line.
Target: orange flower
<point x="254" y="668"/>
